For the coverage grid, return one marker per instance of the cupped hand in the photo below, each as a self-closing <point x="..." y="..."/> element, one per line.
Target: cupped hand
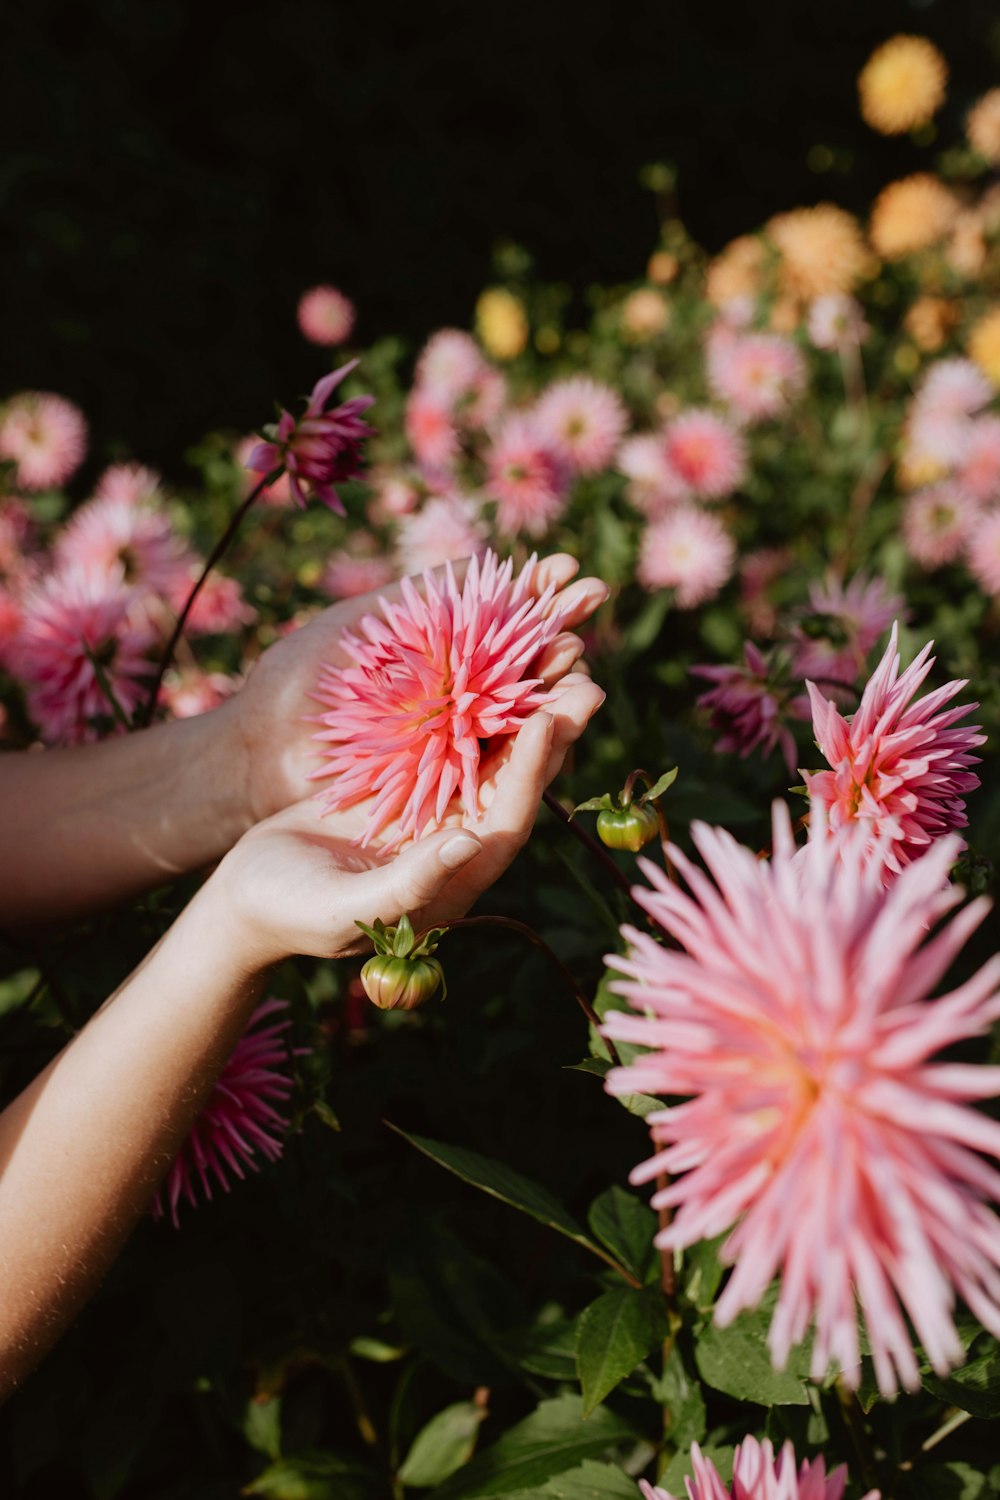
<point x="297" y="883"/>
<point x="268" y="721"/>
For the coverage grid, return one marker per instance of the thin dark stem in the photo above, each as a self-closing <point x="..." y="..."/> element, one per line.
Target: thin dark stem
<point x="598" y="849"/>
<point x="218" y="551"/>
<point x="854" y="1420"/>
<point x="513" y="925"/>
<point x="666" y="1256"/>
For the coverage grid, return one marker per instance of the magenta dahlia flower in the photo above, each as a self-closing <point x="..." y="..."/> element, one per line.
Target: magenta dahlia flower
<point x="70" y="621"/>
<point x="898" y="767"/>
<point x="435" y="684"/>
<point x="45" y="436"/>
<point x="240" y="1123"/>
<point x="760" y="1474"/>
<point x="795" y="1021"/>
<point x="320" y="450"/>
<point x="747" y="707"/>
<point x="325" y="316"/>
<point x="582" y="421"/>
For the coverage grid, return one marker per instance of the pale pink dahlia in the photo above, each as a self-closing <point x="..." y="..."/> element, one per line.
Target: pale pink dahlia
<point x="132" y="484"/>
<point x="747" y="707"/>
<point x="431" y="431"/>
<point x="978" y="469"/>
<point x="582" y="421"/>
<point x="325" y="316"/>
<point x="220" y="606"/>
<point x="760" y="1474"/>
<point x="899" y="768"/>
<point x="322" y="448"/>
<point x="654" y="487"/>
<point x="445" y="529"/>
<point x="449" y="365"/>
<point x="192" y="692"/>
<point x="832" y="638"/>
<point x="69" y="621"/>
<point x="526" y="477"/>
<point x="817" y="1127"/>
<point x="756" y="374"/>
<point x="936" y="524"/>
<point x="241" y="1121"/>
<point x="687" y="550"/>
<point x="836" y="321"/>
<point x="124" y="540"/>
<point x="347" y="574"/>
<point x="45" y="436"/>
<point x="983" y="552"/>
<point x="437" y="681"/>
<point x="707" y="454"/>
<point x="939" y="423"/>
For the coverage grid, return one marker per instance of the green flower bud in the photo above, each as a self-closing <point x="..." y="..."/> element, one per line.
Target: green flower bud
<point x="628" y="827"/>
<point x="400" y="983"/>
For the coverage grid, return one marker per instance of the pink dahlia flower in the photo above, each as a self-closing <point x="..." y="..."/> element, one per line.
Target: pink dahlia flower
<point x="220" y="606"/>
<point x="69" y="621"/>
<point x="654" y="486"/>
<point x="836" y="321"/>
<point x="431" y="432"/>
<point x="192" y="692"/>
<point x="526" y="477"/>
<point x="759" y="1474"/>
<point x="746" y="708"/>
<point x="45" y="436"/>
<point x="279" y="494"/>
<point x="582" y="421"/>
<point x="795" y="1020"/>
<point x="758" y="572"/>
<point x="347" y="575"/>
<point x="17" y="539"/>
<point x="898" y="767"/>
<point x="707" y="454"/>
<point x="130" y="542"/>
<point x="832" y="638"/>
<point x="435" y="684"/>
<point x="10" y="623"/>
<point x="394" y="496"/>
<point x="936" y="524"/>
<point x="320" y="450"/>
<point x="449" y="365"/>
<point x="939" y="424"/>
<point x="241" y="1121"/>
<point x="129" y="484"/>
<point x="325" y="316"/>
<point x="756" y="374"/>
<point x="687" y="550"/>
<point x="445" y="529"/>
<point x="978" y="470"/>
<point x="983" y="552"/>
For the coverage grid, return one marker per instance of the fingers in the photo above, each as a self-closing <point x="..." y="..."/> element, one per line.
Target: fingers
<point x="558" y="657"/>
<point x="414" y="878"/>
<point x="557" y="570"/>
<point x="578" y="602"/>
<point x="577" y="701"/>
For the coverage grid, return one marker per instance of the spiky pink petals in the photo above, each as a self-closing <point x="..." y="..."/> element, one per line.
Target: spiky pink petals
<point x="831" y="639"/>
<point x="582" y="421"/>
<point x="760" y="1474"/>
<point x="241" y="1121"/>
<point x="794" y="1021"/>
<point x="436" y="681"/>
<point x="706" y="453"/>
<point x="898" y="767"/>
<point x="45" y="436"/>
<point x="689" y="551"/>
<point x="325" y="316"/>
<point x="75" y="630"/>
<point x="526" y="477"/>
<point x="322" y="448"/>
<point x="125" y="540"/>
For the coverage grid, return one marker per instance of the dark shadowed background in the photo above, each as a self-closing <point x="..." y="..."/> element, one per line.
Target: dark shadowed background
<point x="175" y="174"/>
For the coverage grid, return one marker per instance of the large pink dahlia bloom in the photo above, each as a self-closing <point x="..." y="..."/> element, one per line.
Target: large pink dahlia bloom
<point x="240" y="1122"/>
<point x="760" y="1474"/>
<point x="817" y="1127"/>
<point x="45" y="436"/>
<point x="897" y="766"/>
<point x="322" y="448"/>
<point x="434" y="681"/>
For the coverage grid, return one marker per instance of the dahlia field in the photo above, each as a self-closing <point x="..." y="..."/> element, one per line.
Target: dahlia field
<point x="677" y="1165"/>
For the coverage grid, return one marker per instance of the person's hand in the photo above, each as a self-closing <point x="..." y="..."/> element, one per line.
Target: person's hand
<point x="271" y="737"/>
<point x="297" y="882"/>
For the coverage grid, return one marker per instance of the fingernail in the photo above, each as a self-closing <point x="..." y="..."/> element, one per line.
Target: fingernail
<point x="459" y="850"/>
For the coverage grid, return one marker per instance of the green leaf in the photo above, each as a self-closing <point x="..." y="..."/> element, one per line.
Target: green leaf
<point x="553" y="1439"/>
<point x="323" y="1112"/>
<point x="955" y="1481"/>
<point x="681" y="1467"/>
<point x="648" y="623"/>
<point x="312" y="1476"/>
<point x="975" y="1387"/>
<point x="262" y="1426"/>
<point x="683" y="1403"/>
<point x="626" y="1227"/>
<point x="589" y="1482"/>
<point x="636" y="1104"/>
<point x="736" y="1360"/>
<point x="546" y="1349"/>
<point x="444" y="1445"/>
<point x="595" y="804"/>
<point x="702" y="1272"/>
<point x="615" y="1334"/>
<point x="659" y="787"/>
<point x="510" y="1187"/>
<point x="376" y="1350"/>
<point x="403" y="939"/>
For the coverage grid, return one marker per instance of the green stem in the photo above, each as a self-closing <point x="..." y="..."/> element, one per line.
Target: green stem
<point x="118" y="713"/>
<point x="596" y="848"/>
<point x="220" y="548"/>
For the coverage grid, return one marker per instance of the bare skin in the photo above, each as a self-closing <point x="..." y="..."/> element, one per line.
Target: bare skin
<point x="84" y="1147"/>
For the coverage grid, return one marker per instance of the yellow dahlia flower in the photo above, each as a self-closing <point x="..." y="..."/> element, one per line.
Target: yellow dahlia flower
<point x="501" y="323"/>
<point x="822" y="250"/>
<point x="902" y="84"/>
<point x="911" y="215"/>
<point x="982" y="126"/>
<point x="984" y="344"/>
<point x="644" y="314"/>
<point x="929" y="321"/>
<point x="738" y="271"/>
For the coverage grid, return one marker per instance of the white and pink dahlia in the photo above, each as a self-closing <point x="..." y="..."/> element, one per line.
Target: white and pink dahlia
<point x="129" y="541"/>
<point x="687" y="550"/>
<point x="760" y="1474"/>
<point x="983" y="551"/>
<point x="325" y="316"/>
<point x="449" y="365"/>
<point x="241" y="1122"/>
<point x="131" y="484"/>
<point x="836" y="322"/>
<point x="756" y="374"/>
<point x="526" y="477"/>
<point x="978" y="468"/>
<point x="706" y="452"/>
<point x="582" y="421"/>
<point x="897" y="767"/>
<point x="446" y="528"/>
<point x="75" y="629"/>
<point x="794" y="1020"/>
<point x="435" y="683"/>
<point x="431" y="431"/>
<point x="654" y="487"/>
<point x="936" y="524"/>
<point x="45" y="436"/>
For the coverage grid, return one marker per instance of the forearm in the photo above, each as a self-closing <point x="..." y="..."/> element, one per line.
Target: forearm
<point x="84" y="1147"/>
<point x="89" y="827"/>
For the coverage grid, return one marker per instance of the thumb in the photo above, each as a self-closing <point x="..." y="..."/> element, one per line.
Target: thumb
<point x="416" y="876"/>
